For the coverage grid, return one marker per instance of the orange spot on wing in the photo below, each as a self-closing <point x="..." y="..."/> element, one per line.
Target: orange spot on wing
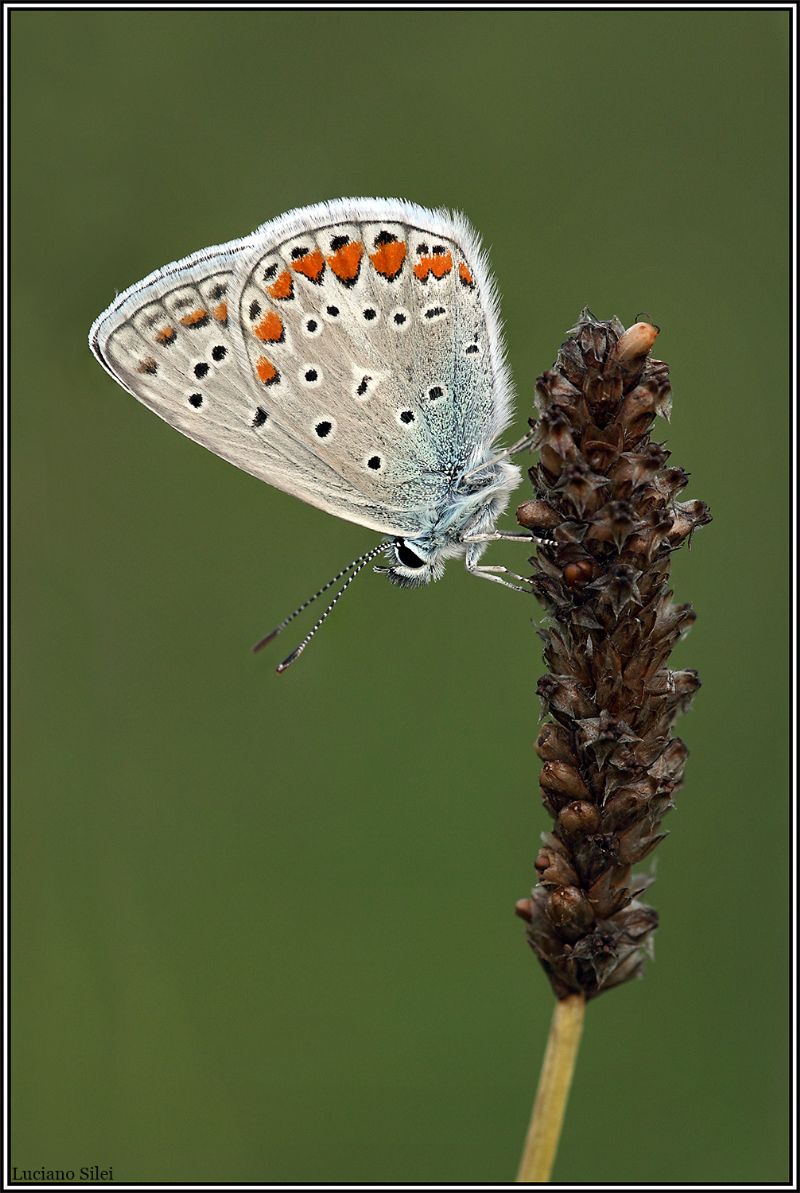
<point x="441" y="264"/>
<point x="465" y="274"/>
<point x="388" y="259"/>
<point x="270" y="329"/>
<point x="166" y="335"/>
<point x="346" y="261"/>
<point x="266" y="371"/>
<point x="195" y="318"/>
<point x="220" y="312"/>
<point x="282" y="287"/>
<point x="311" y="266"/>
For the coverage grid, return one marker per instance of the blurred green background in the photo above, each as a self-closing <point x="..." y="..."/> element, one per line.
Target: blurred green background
<point x="262" y="927"/>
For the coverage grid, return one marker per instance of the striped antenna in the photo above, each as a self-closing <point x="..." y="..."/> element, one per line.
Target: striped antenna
<point x="365" y="558"/>
<point x="354" y="567"/>
<point x="358" y="566"/>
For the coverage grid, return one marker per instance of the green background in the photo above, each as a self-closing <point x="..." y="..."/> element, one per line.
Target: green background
<point x="262" y="927"/>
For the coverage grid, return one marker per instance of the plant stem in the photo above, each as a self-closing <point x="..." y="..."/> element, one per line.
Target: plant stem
<point x="551" y="1096"/>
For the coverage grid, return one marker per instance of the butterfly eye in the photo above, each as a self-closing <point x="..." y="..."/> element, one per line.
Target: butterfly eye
<point x="406" y="556"/>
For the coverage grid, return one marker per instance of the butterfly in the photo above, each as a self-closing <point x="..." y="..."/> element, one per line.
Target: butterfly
<point x="349" y="353"/>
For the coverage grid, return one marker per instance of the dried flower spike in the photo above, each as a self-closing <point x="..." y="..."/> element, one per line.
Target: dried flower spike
<point x="604" y="494"/>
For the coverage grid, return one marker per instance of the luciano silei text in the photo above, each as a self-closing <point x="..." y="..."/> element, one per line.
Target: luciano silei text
<point x="92" y="1173"/>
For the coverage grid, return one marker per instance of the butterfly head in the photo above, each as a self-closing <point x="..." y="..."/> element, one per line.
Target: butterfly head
<point x="412" y="563"/>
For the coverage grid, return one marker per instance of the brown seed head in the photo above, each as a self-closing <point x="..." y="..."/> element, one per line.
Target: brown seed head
<point x="603" y="492"/>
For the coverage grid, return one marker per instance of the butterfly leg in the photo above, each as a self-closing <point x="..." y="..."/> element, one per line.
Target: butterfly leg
<point x="498" y="536"/>
<point x="495" y="574"/>
<point x="523" y="444"/>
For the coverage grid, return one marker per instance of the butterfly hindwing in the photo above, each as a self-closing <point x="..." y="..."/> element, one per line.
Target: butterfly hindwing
<point x="324" y="350"/>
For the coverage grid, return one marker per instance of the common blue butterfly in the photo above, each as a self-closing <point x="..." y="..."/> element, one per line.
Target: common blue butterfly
<point x="349" y="353"/>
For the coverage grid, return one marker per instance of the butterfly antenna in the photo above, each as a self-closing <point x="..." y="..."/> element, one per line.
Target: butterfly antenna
<point x="358" y="565"/>
<point x="359" y="562"/>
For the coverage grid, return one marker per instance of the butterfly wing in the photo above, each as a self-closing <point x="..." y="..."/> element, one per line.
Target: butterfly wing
<point x="169" y="341"/>
<point x="349" y="353"/>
